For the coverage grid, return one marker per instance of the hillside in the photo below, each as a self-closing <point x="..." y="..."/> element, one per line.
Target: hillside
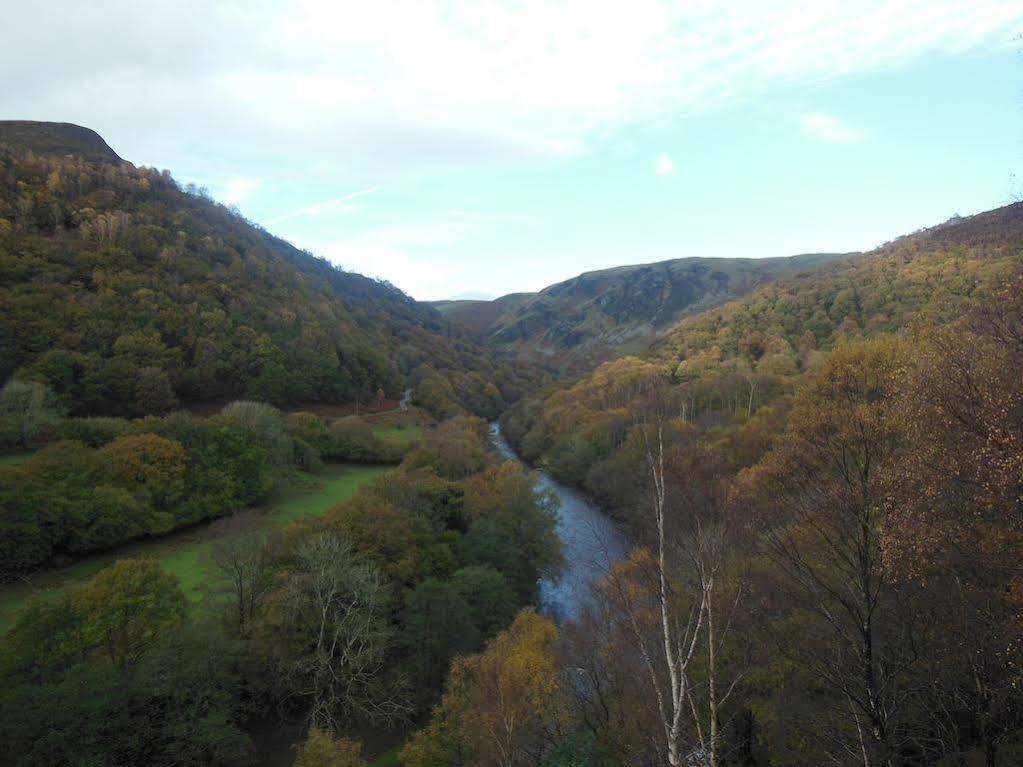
<point x="844" y="450"/>
<point x="480" y="316"/>
<point x="724" y="367"/>
<point x="936" y="275"/>
<point x="575" y="324"/>
<point x="127" y="295"/>
<point x="57" y="139"/>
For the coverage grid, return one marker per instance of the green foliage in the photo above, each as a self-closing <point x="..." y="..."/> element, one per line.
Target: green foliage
<point x="454" y="450"/>
<point x="152" y="466"/>
<point x="126" y="606"/>
<point x="188" y="555"/>
<point x="126" y="294"/>
<point x="492" y="602"/>
<point x="437" y="624"/>
<point x="94" y="432"/>
<point x="28" y="411"/>
<point x="262" y="425"/>
<point x="180" y="705"/>
<point x="579" y="750"/>
<point x="47" y="639"/>
<point x="352" y="439"/>
<point x="572" y="325"/>
<point x="512" y="529"/>
<point x="320" y="749"/>
<point x="147" y="477"/>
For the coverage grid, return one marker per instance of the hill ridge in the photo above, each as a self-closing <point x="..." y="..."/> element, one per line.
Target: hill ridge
<point x="57" y="138"/>
<point x="591" y="317"/>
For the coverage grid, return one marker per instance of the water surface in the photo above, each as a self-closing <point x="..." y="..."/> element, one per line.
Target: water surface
<point x="590" y="542"/>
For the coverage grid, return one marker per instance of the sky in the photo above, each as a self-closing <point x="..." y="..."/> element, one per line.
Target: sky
<point x="475" y="149"/>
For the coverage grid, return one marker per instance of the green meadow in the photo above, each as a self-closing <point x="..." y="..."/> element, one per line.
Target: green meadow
<point x="187" y="553"/>
<point x="13" y="459"/>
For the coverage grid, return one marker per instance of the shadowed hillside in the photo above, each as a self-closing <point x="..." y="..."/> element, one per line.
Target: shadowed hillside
<point x="588" y="319"/>
<point x="126" y="294"/>
<point x="56" y="139"/>
<point x="731" y="370"/>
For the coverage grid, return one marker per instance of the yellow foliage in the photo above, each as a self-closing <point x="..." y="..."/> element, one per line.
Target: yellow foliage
<point x="321" y="749"/>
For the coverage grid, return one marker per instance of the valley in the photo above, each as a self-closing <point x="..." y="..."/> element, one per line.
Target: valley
<point x="258" y="509"/>
<point x="574" y="325"/>
<point x="591" y="545"/>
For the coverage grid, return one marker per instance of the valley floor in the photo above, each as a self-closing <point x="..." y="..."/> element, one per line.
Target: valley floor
<point x="186" y="553"/>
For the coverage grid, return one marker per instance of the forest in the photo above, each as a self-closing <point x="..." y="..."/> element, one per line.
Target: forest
<point x="127" y="294"/>
<point x="821" y="481"/>
<point x="345" y="620"/>
<point x="825" y="481"/>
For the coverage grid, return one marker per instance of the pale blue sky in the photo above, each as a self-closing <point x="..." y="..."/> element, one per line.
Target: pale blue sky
<point x="480" y="149"/>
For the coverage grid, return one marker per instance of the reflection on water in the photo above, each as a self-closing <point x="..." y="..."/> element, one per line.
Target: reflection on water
<point x="589" y="540"/>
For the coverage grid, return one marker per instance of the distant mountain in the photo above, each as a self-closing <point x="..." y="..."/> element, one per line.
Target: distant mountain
<point x="932" y="276"/>
<point x="57" y="139"/>
<point x="748" y="357"/>
<point x="583" y="321"/>
<point x="481" y="316"/>
<point x="127" y="295"/>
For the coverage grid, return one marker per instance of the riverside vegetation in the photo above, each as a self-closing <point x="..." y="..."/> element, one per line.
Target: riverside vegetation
<point x="821" y="478"/>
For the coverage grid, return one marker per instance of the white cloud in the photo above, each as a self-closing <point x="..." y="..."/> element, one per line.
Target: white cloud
<point x="824" y="127"/>
<point x="663" y="165"/>
<point x="402" y="82"/>
<point x="319" y="208"/>
<point x="409" y="252"/>
<point x="239" y="189"/>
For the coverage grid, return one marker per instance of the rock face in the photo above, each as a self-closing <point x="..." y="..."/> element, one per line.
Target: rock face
<point x="583" y="321"/>
<point x="57" y="139"/>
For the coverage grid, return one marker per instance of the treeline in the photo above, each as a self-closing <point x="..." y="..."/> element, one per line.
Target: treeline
<point x="126" y="295"/>
<point x="840" y="558"/>
<point x="731" y="372"/>
<point x="342" y="621"/>
<point x="102" y="481"/>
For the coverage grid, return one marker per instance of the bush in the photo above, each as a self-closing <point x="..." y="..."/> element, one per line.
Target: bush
<point x="28" y="410"/>
<point x="354" y="440"/>
<point x="94" y="432"/>
<point x="264" y="424"/>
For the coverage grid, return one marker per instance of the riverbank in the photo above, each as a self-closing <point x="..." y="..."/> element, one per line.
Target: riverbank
<point x="591" y="541"/>
<point x="186" y="553"/>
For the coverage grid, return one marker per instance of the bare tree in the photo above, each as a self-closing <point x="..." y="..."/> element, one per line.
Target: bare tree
<point x="678" y="604"/>
<point x="708" y="551"/>
<point x="665" y="633"/>
<point x="242" y="555"/>
<point x="333" y="603"/>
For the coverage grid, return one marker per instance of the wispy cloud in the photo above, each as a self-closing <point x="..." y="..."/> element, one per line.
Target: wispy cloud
<point x="319" y="208"/>
<point x="825" y="127"/>
<point x="663" y="165"/>
<point x="412" y="251"/>
<point x="433" y="80"/>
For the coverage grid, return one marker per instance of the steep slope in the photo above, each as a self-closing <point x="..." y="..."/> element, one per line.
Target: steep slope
<point x="57" y="139"/>
<point x="481" y="316"/>
<point x="728" y="373"/>
<point x="933" y="276"/>
<point x="127" y="295"/>
<point x="575" y="324"/>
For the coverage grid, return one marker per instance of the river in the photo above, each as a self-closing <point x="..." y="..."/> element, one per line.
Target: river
<point x="590" y="542"/>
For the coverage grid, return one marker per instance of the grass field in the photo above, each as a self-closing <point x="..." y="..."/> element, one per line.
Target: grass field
<point x="186" y="554"/>
<point x="401" y="433"/>
<point x="389" y="759"/>
<point x="13" y="459"/>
